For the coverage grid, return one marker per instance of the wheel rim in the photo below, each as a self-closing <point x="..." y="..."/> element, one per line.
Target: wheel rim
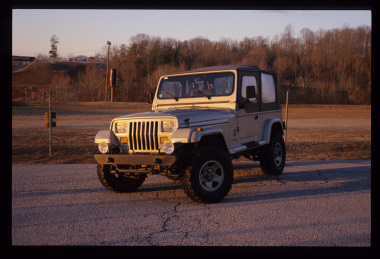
<point x="211" y="175"/>
<point x="278" y="154"/>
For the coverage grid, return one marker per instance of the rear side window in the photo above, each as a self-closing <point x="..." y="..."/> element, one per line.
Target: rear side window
<point x="267" y="88"/>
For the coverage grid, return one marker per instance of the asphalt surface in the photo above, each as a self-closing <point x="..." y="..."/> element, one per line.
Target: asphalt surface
<point x="313" y="203"/>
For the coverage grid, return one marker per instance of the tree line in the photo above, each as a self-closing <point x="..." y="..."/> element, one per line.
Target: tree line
<point x="318" y="66"/>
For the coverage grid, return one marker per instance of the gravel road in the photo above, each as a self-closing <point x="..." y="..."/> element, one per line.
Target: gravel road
<point x="313" y="203"/>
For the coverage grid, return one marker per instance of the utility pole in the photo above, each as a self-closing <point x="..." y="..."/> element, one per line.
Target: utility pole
<point x="107" y="73"/>
<point x="286" y="113"/>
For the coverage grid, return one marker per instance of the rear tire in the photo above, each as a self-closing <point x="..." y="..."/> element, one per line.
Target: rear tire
<point x="273" y="156"/>
<point x="119" y="183"/>
<point x="209" y="177"/>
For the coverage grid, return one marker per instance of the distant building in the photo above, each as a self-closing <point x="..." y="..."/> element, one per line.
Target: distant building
<point x="82" y="58"/>
<point x="23" y="58"/>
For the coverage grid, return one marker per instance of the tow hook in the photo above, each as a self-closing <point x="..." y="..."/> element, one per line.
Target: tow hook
<point x="158" y="161"/>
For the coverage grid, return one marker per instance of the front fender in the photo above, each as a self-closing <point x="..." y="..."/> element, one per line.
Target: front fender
<point x="192" y="135"/>
<point x="106" y="136"/>
<point x="181" y="135"/>
<point x="196" y="135"/>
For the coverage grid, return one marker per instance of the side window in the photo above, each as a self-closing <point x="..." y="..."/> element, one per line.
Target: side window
<point x="246" y="81"/>
<point x="267" y="88"/>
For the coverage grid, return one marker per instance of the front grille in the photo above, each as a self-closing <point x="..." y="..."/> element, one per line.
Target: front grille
<point x="143" y="135"/>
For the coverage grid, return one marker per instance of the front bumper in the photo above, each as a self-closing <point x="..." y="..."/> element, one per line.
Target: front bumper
<point x="133" y="160"/>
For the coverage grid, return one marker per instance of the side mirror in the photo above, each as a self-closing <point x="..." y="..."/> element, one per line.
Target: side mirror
<point x="250" y="92"/>
<point x="151" y="97"/>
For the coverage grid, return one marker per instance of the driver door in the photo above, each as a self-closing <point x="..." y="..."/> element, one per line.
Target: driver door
<point x="248" y="113"/>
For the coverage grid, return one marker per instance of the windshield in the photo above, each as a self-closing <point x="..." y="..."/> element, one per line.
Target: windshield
<point x="199" y="85"/>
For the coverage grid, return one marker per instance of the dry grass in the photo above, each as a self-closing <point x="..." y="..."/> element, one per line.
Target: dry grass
<point x="328" y="132"/>
<point x="315" y="132"/>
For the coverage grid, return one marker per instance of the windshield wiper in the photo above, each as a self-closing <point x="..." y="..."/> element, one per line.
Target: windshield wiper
<point x="200" y="92"/>
<point x="175" y="98"/>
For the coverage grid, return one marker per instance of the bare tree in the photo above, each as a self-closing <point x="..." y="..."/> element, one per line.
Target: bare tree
<point x="90" y="84"/>
<point x="327" y="62"/>
<point x="61" y="83"/>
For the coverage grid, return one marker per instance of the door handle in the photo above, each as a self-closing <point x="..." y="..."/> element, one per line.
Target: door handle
<point x="256" y="117"/>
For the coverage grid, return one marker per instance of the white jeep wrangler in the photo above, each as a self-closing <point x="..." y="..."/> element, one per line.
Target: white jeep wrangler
<point x="200" y="120"/>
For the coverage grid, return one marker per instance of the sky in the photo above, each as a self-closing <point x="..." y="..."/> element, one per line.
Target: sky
<point x="84" y="32"/>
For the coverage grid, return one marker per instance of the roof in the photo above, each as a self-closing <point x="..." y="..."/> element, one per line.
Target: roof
<point x="225" y="67"/>
<point x="221" y="68"/>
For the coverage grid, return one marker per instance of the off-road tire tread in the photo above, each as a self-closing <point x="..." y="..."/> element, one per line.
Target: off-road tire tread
<point x="267" y="162"/>
<point x="129" y="184"/>
<point x="189" y="180"/>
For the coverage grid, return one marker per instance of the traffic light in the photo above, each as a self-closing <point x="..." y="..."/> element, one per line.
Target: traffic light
<point x="52" y="122"/>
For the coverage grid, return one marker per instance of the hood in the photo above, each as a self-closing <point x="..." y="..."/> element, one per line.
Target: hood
<point x="194" y="117"/>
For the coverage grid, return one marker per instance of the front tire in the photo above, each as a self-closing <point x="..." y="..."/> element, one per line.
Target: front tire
<point x="119" y="183"/>
<point x="209" y="177"/>
<point x="273" y="157"/>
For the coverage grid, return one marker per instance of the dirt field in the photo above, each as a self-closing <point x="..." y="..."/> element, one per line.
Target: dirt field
<point x="315" y="132"/>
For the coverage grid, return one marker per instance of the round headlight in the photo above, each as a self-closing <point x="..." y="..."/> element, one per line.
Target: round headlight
<point x="103" y="147"/>
<point x="121" y="127"/>
<point x="168" y="126"/>
<point x="168" y="147"/>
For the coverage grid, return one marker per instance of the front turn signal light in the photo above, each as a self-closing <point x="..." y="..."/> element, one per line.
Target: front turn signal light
<point x="163" y="140"/>
<point x="124" y="140"/>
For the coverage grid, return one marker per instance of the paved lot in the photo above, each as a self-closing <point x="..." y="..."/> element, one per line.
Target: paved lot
<point x="324" y="203"/>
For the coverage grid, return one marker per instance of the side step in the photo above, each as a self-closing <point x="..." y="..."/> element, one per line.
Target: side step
<point x="246" y="146"/>
<point x="254" y="144"/>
